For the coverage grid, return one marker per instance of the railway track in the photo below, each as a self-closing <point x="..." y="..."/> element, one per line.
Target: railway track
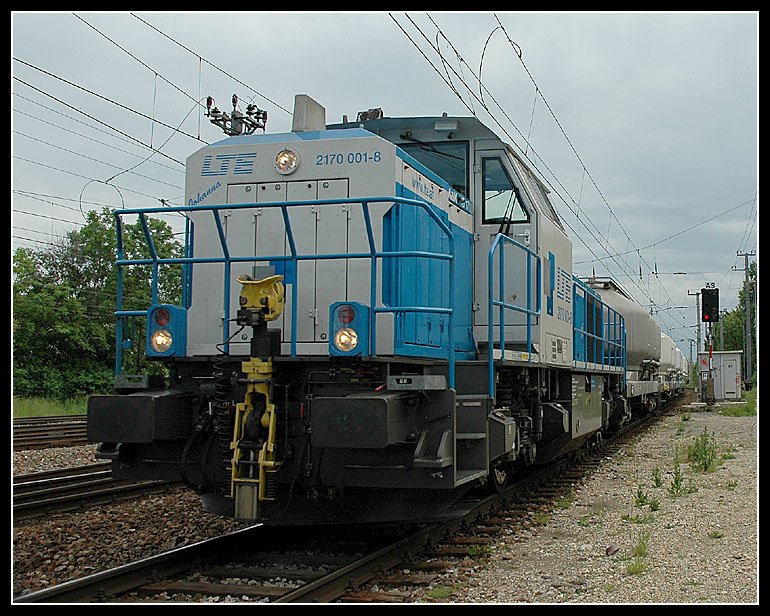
<point x="58" y="490"/>
<point x="54" y="431"/>
<point x="354" y="565"/>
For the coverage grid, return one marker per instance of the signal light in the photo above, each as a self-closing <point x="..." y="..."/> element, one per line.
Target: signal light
<point x="710" y="305"/>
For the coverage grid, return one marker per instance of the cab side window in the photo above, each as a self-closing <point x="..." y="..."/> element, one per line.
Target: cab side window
<point x="502" y="202"/>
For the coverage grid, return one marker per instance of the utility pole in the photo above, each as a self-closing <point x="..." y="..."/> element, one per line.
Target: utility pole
<point x="747" y="288"/>
<point x="697" y="318"/>
<point x="722" y="333"/>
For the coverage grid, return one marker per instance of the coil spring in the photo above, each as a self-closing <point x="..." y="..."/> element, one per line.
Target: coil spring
<point x="224" y="417"/>
<point x="271" y="485"/>
<point x="503" y="396"/>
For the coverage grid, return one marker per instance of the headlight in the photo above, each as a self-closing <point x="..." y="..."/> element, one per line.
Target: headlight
<point x="286" y="161"/>
<point x="346" y="339"/>
<point x="161" y="341"/>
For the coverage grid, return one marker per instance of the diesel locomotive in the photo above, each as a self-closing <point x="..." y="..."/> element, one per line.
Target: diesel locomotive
<point x="376" y="317"/>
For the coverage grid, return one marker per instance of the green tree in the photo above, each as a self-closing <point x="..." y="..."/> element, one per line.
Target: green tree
<point x="64" y="302"/>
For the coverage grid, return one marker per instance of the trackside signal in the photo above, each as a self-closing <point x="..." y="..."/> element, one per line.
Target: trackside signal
<point x="710" y="305"/>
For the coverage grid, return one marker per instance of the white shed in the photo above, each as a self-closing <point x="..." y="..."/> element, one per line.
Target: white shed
<point x="726" y="372"/>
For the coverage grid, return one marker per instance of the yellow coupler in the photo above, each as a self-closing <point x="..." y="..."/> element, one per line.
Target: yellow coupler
<point x="253" y="471"/>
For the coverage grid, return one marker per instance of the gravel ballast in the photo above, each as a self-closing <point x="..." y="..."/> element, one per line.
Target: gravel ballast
<point x="701" y="544"/>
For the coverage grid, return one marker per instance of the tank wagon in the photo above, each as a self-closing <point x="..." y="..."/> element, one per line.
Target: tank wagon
<point x="377" y="317"/>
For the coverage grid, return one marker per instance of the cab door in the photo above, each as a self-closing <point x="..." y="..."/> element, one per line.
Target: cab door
<point x="503" y="206"/>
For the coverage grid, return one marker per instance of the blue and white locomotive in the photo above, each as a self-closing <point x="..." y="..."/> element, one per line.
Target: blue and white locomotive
<point x="377" y="317"/>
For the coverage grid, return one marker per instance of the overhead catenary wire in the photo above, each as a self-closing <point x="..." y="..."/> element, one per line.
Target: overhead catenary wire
<point x="645" y="292"/>
<point x="578" y="236"/>
<point x="96" y="160"/>
<point x="678" y="233"/>
<point x="47" y="199"/>
<point x="109" y="100"/>
<point x="96" y="119"/>
<point x="78" y="175"/>
<point x="147" y="66"/>
<point x="517" y="50"/>
<point x="212" y="64"/>
<point x="81" y="135"/>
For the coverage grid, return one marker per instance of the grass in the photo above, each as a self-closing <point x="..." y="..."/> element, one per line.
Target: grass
<point x="479" y="550"/>
<point x="47" y="407"/>
<point x="440" y="592"/>
<point x="742" y="410"/>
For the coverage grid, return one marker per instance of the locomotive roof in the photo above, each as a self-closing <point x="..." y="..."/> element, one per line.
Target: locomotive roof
<point x="468" y="127"/>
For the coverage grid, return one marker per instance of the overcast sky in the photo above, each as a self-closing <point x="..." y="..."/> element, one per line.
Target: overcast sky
<point x="644" y="124"/>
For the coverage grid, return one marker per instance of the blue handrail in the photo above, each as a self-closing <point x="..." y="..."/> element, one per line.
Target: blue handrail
<point x="499" y="242"/>
<point x="294" y="257"/>
<point x="606" y="338"/>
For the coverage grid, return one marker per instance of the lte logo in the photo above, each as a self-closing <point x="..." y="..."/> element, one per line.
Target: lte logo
<point x="242" y="164"/>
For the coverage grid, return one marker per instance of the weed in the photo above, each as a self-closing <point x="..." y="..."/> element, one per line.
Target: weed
<point x="732" y="484"/>
<point x="636" y="566"/>
<point x="656" y="478"/>
<point x="654" y="504"/>
<point x="677" y="487"/>
<point x="564" y="502"/>
<point x="702" y="453"/>
<point x="638" y="519"/>
<point x="585" y="521"/>
<point x="640" y="547"/>
<point x="640" y="498"/>
<point x="715" y="534"/>
<point x="540" y="518"/>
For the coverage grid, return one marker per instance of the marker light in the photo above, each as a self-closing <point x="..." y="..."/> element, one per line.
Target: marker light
<point x="346" y="339"/>
<point x="286" y="162"/>
<point x="161" y="340"/>
<point x="162" y="316"/>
